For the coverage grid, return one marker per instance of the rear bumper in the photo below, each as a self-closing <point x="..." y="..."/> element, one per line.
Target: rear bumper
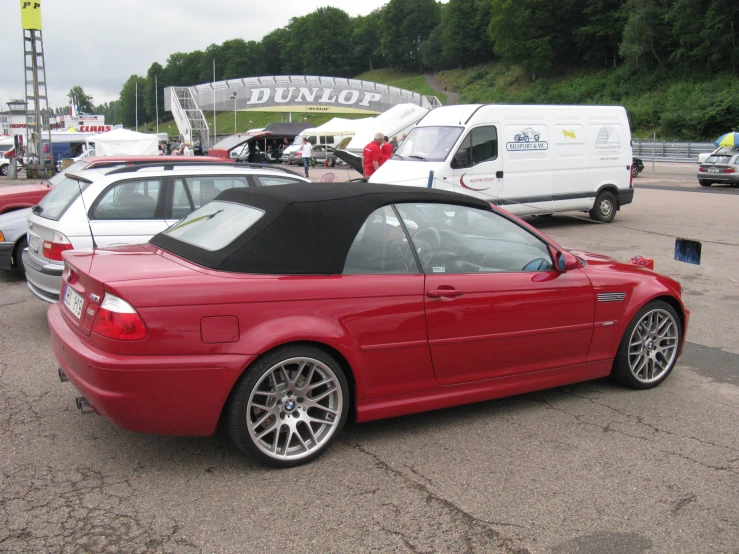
<point x="43" y="281"/>
<point x="6" y="255"/>
<point x="719" y="178"/>
<point x="168" y="395"/>
<point x="625" y="196"/>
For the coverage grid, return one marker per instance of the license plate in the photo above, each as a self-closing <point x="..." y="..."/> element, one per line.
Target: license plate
<point x="713" y="170"/>
<point x="73" y="301"/>
<point x="33" y="243"/>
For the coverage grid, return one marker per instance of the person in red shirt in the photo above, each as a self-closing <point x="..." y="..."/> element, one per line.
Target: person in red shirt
<point x="372" y="156"/>
<point x="387" y="150"/>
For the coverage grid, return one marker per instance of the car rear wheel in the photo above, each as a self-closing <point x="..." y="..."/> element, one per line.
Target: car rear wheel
<point x="649" y="347"/>
<point x="634" y="171"/>
<point x="704" y="182"/>
<point x="604" y="209"/>
<point x="289" y="406"/>
<point x="18" y="254"/>
<point x="332" y="162"/>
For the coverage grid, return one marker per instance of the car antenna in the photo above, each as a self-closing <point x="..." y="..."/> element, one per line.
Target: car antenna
<point x="87" y="218"/>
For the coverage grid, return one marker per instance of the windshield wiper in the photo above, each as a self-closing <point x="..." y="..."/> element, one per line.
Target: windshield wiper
<point x="417" y="157"/>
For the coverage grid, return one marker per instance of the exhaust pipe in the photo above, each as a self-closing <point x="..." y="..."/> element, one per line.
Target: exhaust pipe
<point x="83" y="405"/>
<point x="63" y="376"/>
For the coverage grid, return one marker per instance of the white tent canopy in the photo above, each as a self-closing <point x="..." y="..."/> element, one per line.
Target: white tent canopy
<point x="122" y="142"/>
<point x="396" y="121"/>
<point x="337" y="126"/>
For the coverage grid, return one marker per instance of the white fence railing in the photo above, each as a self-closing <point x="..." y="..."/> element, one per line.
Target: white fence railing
<point x="670" y="151"/>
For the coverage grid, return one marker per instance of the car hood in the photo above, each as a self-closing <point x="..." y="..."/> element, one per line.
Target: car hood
<point x="14" y="220"/>
<point x="411" y="173"/>
<point x="12" y="190"/>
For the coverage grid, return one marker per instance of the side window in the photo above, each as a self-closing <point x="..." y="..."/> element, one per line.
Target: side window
<point x="268" y="181"/>
<point x="380" y="247"/>
<point x="480" y="145"/>
<point x="204" y="188"/>
<point x="181" y="205"/>
<point x="129" y="200"/>
<point x="458" y="239"/>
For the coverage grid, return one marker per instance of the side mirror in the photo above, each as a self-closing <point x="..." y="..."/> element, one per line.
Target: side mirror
<point x="461" y="159"/>
<point x="566" y="261"/>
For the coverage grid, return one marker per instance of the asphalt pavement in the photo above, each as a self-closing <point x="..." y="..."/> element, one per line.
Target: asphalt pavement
<point x="587" y="468"/>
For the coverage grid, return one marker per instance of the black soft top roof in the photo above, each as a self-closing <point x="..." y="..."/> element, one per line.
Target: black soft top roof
<point x="306" y="228"/>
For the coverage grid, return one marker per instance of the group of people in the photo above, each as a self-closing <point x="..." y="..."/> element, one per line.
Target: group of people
<point x="377" y="152"/>
<point x="180" y="149"/>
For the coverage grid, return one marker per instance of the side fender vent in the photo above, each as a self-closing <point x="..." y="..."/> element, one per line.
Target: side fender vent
<point x="611" y="296"/>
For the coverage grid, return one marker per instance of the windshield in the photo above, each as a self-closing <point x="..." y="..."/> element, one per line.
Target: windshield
<point x="431" y="144"/>
<point x="215" y="225"/>
<point x="59" y="177"/>
<point x="5" y="147"/>
<point x="54" y="204"/>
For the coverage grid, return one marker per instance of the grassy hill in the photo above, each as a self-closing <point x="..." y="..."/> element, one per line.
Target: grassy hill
<point x="676" y="107"/>
<point x="402" y="79"/>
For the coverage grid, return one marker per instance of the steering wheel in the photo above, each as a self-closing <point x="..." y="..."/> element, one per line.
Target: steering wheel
<point x="427" y="243"/>
<point x="539" y="264"/>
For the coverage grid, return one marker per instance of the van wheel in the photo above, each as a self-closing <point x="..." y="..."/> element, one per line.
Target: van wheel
<point x="704" y="182"/>
<point x="604" y="209"/>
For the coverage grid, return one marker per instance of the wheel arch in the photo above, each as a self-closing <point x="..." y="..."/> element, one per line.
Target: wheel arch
<point x="18" y="251"/>
<point x="610" y="187"/>
<point x="340" y="358"/>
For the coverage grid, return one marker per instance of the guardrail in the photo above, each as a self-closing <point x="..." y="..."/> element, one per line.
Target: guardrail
<point x="670" y="151"/>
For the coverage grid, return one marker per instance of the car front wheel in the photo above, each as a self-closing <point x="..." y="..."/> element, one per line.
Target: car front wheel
<point x="4" y="170"/>
<point x="649" y="347"/>
<point x="289" y="406"/>
<point x="604" y="209"/>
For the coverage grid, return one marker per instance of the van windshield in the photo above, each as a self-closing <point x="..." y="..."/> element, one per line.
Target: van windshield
<point x="430" y="144"/>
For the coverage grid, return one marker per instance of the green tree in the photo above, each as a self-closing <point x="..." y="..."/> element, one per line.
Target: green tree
<point x="128" y="103"/>
<point x="643" y="33"/>
<point x="598" y="39"/>
<point x="521" y="31"/>
<point x="273" y="45"/>
<point x="405" y="25"/>
<point x="155" y="75"/>
<point x="720" y="46"/>
<point x="84" y="102"/>
<point x="366" y="42"/>
<point x="328" y="50"/>
<point x="432" y="50"/>
<point x="465" y="38"/>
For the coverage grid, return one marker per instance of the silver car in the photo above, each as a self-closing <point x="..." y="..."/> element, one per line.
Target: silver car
<point x="13" y="227"/>
<point x="722" y="169"/>
<point x="122" y="206"/>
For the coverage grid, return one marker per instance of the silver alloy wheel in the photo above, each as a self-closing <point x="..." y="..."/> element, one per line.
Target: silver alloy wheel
<point x="653" y="346"/>
<point x="294" y="409"/>
<point x="605" y="206"/>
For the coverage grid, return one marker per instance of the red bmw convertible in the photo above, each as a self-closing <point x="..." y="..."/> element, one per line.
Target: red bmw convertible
<point x="281" y="311"/>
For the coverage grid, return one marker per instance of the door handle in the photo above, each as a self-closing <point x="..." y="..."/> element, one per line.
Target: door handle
<point x="444" y="292"/>
<point x="499" y="174"/>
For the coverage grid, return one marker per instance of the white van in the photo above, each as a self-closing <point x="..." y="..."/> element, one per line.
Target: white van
<point x="529" y="159"/>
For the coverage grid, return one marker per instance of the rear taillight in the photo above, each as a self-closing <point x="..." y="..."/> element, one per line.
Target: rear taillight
<point x="117" y="319"/>
<point x="701" y="169"/>
<point x="53" y="248"/>
<point x="729" y="170"/>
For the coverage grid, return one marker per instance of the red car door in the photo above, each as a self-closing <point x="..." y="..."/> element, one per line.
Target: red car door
<point x="495" y="305"/>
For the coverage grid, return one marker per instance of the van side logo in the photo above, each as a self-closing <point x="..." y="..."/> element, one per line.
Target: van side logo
<point x="527" y="139"/>
<point x="475" y="180"/>
<point x="569" y="134"/>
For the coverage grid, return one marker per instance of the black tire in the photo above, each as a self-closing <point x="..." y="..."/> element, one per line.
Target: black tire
<point x="4" y="170"/>
<point x="642" y="344"/>
<point x="18" y="253"/>
<point x="604" y="209"/>
<point x="332" y="162"/>
<point x="280" y="381"/>
<point x="634" y="171"/>
<point x="704" y="182"/>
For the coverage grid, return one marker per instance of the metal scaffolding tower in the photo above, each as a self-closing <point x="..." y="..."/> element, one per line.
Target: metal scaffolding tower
<point x="39" y="155"/>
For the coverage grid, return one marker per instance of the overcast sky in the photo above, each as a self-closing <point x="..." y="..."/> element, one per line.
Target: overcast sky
<point x="98" y="44"/>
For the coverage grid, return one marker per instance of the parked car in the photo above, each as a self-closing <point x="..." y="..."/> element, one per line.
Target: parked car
<point x="320" y="153"/>
<point x="722" y="169"/>
<point x="637" y="166"/>
<point x="281" y="311"/>
<point x="22" y="197"/>
<point x="126" y="205"/>
<point x="7" y="148"/>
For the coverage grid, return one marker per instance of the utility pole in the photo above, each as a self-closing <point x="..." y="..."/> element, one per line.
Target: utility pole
<point x="136" y="104"/>
<point x="215" y="131"/>
<point x="156" y="102"/>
